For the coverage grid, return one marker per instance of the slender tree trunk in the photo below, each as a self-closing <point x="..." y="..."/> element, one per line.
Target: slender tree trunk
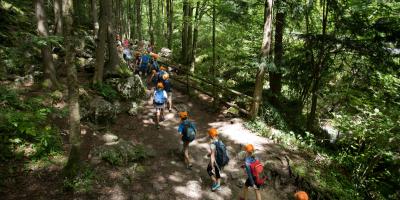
<point x="189" y="42"/>
<point x="318" y="68"/>
<point x="170" y="13"/>
<point x="74" y="160"/>
<point x="138" y="19"/>
<point x="58" y="17"/>
<point x="50" y="72"/>
<point x="214" y="61"/>
<point x="112" y="47"/>
<point x="185" y="31"/>
<point x="276" y="75"/>
<point x="101" y="42"/>
<point x="151" y="31"/>
<point x="265" y="57"/>
<point x="195" y="35"/>
<point x="95" y="18"/>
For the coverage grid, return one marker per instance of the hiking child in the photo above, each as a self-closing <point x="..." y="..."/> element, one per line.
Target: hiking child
<point x="252" y="166"/>
<point x="144" y="62"/>
<point x="127" y="55"/>
<point x="188" y="131"/>
<point x="159" y="99"/>
<point x="154" y="63"/>
<point x="168" y="89"/>
<point x="218" y="159"/>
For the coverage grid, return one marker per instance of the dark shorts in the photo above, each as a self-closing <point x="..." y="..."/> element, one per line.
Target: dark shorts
<point x="209" y="171"/>
<point x="247" y="183"/>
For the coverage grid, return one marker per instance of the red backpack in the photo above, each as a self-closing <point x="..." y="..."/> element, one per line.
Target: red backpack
<point x="256" y="169"/>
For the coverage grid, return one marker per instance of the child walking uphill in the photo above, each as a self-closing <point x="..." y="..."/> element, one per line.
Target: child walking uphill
<point x="218" y="159"/>
<point x="159" y="99"/>
<point x="188" y="131"/>
<point x="253" y="168"/>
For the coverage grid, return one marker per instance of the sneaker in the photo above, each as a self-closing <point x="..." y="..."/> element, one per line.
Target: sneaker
<point x="215" y="187"/>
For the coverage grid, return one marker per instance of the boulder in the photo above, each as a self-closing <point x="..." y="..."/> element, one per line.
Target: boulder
<point x="133" y="108"/>
<point x="131" y="88"/>
<point x="101" y="110"/>
<point x="165" y="52"/>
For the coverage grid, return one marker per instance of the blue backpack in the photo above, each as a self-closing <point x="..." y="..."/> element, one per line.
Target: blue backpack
<point x="145" y="59"/>
<point x="189" y="132"/>
<point x="159" y="98"/>
<point x="222" y="157"/>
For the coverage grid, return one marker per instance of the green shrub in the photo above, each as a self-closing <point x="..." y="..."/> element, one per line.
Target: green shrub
<point x="82" y="182"/>
<point x="106" y="91"/>
<point x="122" y="153"/>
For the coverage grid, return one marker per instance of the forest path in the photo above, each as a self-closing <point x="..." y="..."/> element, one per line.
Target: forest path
<point x="165" y="175"/>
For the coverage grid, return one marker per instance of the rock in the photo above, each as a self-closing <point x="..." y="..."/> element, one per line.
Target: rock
<point x="109" y="137"/>
<point x="165" y="52"/>
<point x="131" y="88"/>
<point x="101" y="110"/>
<point x="133" y="108"/>
<point x="181" y="107"/>
<point x="24" y="80"/>
<point x="235" y="175"/>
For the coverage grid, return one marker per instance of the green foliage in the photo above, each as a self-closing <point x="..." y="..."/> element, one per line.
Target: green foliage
<point x="24" y="125"/>
<point x="122" y="153"/>
<point x="82" y="182"/>
<point x="124" y="71"/>
<point x="106" y="91"/>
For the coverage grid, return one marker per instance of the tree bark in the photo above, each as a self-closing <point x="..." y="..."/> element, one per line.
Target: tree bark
<point x="95" y="18"/>
<point x="185" y="30"/>
<point x="101" y="42"/>
<point x="138" y="19"/>
<point x="74" y="161"/>
<point x="170" y="14"/>
<point x="151" y="31"/>
<point x="214" y="61"/>
<point x="49" y="70"/>
<point x="197" y="19"/>
<point x="113" y="59"/>
<point x="265" y="57"/>
<point x="276" y="75"/>
<point x="58" y="17"/>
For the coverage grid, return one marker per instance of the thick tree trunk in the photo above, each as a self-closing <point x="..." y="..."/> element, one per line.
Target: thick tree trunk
<point x="58" y="17"/>
<point x="275" y="76"/>
<point x="265" y="57"/>
<point x="189" y="42"/>
<point x="151" y="31"/>
<point x="74" y="160"/>
<point x="49" y="70"/>
<point x="138" y="19"/>
<point x="170" y="13"/>
<point x="95" y="18"/>
<point x="113" y="59"/>
<point x="101" y="42"/>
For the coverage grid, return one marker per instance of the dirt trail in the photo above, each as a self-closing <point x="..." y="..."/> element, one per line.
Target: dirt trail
<point x="165" y="175"/>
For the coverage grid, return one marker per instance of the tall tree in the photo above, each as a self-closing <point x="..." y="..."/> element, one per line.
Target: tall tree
<point x="275" y="74"/>
<point x="197" y="19"/>
<point x="58" y="17"/>
<point x="214" y="75"/>
<point x="138" y="19"/>
<point x="50" y="72"/>
<point x="101" y="41"/>
<point x="113" y="59"/>
<point x="265" y="58"/>
<point x="151" y="31"/>
<point x="170" y="15"/>
<point x="186" y="32"/>
<point x="95" y="18"/>
<point x="74" y="160"/>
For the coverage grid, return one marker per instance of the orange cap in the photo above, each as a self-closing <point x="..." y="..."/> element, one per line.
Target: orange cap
<point x="212" y="132"/>
<point x="301" y="195"/>
<point x="160" y="85"/>
<point x="183" y="115"/>
<point x="249" y="148"/>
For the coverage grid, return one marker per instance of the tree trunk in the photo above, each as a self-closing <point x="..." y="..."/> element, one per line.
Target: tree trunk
<point x="95" y="18"/>
<point x="170" y="13"/>
<point x="189" y="42"/>
<point x="214" y="75"/>
<point x="275" y="76"/>
<point x="57" y="17"/>
<point x="101" y="42"/>
<point x="195" y="35"/>
<point x="49" y="70"/>
<point x="138" y="19"/>
<point x="151" y="31"/>
<point x="113" y="59"/>
<point x="74" y="160"/>
<point x="318" y="68"/>
<point x="265" y="57"/>
<point x="185" y="30"/>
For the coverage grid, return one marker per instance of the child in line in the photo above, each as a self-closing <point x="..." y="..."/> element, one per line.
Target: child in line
<point x="159" y="99"/>
<point x="187" y="130"/>
<point x="218" y="159"/>
<point x="250" y="181"/>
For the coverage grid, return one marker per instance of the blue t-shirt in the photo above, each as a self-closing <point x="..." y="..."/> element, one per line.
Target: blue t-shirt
<point x="145" y="58"/>
<point x="248" y="160"/>
<point x="167" y="85"/>
<point x="182" y="126"/>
